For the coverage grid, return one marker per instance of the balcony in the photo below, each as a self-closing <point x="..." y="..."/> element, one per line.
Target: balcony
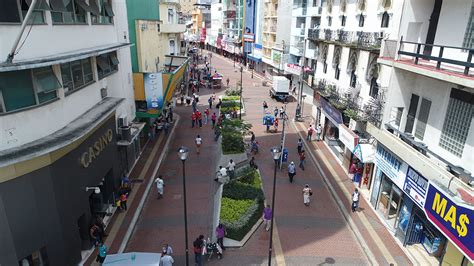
<point x="356" y="39"/>
<point x="446" y="63"/>
<point x="172" y="28"/>
<point x="313" y="34"/>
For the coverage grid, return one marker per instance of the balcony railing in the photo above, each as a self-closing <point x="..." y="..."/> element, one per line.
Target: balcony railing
<point x="359" y="39"/>
<point x="313" y="34"/>
<point x="452" y="57"/>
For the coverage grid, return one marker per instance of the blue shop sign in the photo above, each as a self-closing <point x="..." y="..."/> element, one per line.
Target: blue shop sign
<point x="333" y="114"/>
<point x="390" y="165"/>
<point x="455" y="221"/>
<point x="415" y="186"/>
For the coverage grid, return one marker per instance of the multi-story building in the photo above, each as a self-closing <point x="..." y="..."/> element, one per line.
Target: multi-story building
<point x="394" y="95"/>
<point x="172" y="28"/>
<point x="65" y="91"/>
<point x="214" y="37"/>
<point x="276" y="35"/>
<point x="187" y="6"/>
<point x="232" y="32"/>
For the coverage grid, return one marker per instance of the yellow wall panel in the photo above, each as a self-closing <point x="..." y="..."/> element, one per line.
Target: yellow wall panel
<point x="138" y="87"/>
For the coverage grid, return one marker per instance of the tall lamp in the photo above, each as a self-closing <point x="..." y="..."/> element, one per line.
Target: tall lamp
<point x="183" y="153"/>
<point x="276" y="153"/>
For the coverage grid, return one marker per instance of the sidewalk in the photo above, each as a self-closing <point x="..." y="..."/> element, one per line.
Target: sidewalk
<point x="381" y="242"/>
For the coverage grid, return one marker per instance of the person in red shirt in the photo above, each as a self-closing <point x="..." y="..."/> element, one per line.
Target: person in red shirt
<point x="206" y="116"/>
<point x="276" y="124"/>
<point x="213" y="119"/>
<point x="193" y="119"/>
<point x="199" y="118"/>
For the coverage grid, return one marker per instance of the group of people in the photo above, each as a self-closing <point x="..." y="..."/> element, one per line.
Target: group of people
<point x="311" y="130"/>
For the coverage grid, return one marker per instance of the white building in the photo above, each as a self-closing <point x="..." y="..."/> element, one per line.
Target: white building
<point x="217" y="23"/>
<point x="69" y="82"/>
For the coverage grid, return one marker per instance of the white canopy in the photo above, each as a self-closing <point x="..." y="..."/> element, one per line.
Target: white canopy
<point x="133" y="258"/>
<point x="365" y="152"/>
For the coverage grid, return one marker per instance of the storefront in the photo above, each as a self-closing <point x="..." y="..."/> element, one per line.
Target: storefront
<point x="363" y="157"/>
<point x="331" y="118"/>
<point x="54" y="187"/>
<point x="398" y="196"/>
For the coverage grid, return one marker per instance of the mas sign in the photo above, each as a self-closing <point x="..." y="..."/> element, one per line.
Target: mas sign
<point x="454" y="220"/>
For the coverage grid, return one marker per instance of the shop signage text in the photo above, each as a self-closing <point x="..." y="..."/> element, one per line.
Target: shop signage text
<point x="415" y="186"/>
<point x="93" y="151"/>
<point x="347" y="137"/>
<point x="249" y="37"/>
<point x="394" y="168"/>
<point x="293" y="69"/>
<point x="454" y="220"/>
<point x="333" y="114"/>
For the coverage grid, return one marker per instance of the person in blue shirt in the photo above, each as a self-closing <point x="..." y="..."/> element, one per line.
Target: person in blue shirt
<point x="102" y="253"/>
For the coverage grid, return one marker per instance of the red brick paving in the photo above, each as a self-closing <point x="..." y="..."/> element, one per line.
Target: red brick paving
<point x="308" y="235"/>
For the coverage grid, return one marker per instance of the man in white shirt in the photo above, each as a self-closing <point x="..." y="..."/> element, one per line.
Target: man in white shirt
<point x="355" y="200"/>
<point x="221" y="175"/>
<point x="231" y="168"/>
<point x="318" y="132"/>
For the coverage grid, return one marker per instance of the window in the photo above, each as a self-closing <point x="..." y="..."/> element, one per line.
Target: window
<point x="385" y="20"/>
<point x="361" y="20"/>
<point x="412" y="113"/>
<point x="10" y="11"/>
<point x="337" y="72"/>
<point x="71" y="14"/>
<point x="457" y="122"/>
<point x="106" y="13"/>
<point x="25" y="88"/>
<point x="170" y="15"/>
<point x="343" y="21"/>
<point x="353" y="80"/>
<point x="107" y="64"/>
<point x="469" y="34"/>
<point x="422" y="118"/>
<point x="329" y="21"/>
<point x="325" y="67"/>
<point x="374" y="88"/>
<point x="76" y="75"/>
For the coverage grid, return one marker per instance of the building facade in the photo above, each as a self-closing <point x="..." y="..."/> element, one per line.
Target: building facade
<point x="61" y="166"/>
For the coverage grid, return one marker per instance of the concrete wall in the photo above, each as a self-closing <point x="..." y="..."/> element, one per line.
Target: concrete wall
<point x="283" y="32"/>
<point x="148" y="45"/>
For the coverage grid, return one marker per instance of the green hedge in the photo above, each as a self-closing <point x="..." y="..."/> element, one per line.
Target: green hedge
<point x="232" y="92"/>
<point x="230" y="104"/>
<point x="233" y="131"/>
<point x="242" y="203"/>
<point x="231" y="98"/>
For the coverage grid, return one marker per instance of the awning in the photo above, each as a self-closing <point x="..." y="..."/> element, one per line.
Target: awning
<point x="253" y="58"/>
<point x="61" y="58"/>
<point x="133" y="258"/>
<point x="365" y="152"/>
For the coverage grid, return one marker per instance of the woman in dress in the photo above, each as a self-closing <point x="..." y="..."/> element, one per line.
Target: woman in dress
<point x="307" y="194"/>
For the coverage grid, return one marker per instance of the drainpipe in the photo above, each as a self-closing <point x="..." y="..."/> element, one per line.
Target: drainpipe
<point x="23" y="26"/>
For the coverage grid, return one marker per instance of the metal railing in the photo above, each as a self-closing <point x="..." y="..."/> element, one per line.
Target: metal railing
<point x="389" y="49"/>
<point x="313" y="34"/>
<point x="457" y="56"/>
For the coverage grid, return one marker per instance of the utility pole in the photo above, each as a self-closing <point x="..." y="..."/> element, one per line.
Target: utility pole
<point x="241" y="86"/>
<point x="299" y="109"/>
<point x="283" y="137"/>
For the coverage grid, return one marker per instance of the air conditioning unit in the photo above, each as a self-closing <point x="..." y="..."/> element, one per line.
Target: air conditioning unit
<point x="103" y="93"/>
<point x="122" y="121"/>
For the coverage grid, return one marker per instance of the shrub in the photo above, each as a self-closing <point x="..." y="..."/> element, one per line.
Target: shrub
<point x="239" y="190"/>
<point x="232" y="210"/>
<point x="226" y="110"/>
<point x="230" y="104"/>
<point x="231" y="98"/>
<point x="249" y="176"/>
<point x="232" y="92"/>
<point x="233" y="131"/>
<point x="239" y="228"/>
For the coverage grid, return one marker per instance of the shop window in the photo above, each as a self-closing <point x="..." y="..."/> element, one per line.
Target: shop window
<point x="37" y="258"/>
<point x="385" y="20"/>
<point x="105" y="15"/>
<point x="422" y="118"/>
<point x="76" y="75"/>
<point x="37" y="17"/>
<point x="457" y="122"/>
<point x="107" y="64"/>
<point x="72" y="13"/>
<point x="361" y="20"/>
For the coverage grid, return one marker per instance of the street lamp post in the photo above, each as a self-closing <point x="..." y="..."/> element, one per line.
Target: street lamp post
<point x="299" y="109"/>
<point x="276" y="152"/>
<point x="183" y="155"/>
<point x="241" y="86"/>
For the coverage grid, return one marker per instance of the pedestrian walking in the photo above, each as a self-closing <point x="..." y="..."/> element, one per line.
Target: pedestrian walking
<point x="166" y="259"/>
<point x="231" y="168"/>
<point x="213" y="119"/>
<point x="291" y="171"/>
<point x="206" y="116"/>
<point x="123" y="201"/>
<point x="199" y="118"/>
<point x="220" y="233"/>
<point x="252" y="137"/>
<point x="194" y="103"/>
<point x="307" y="193"/>
<point x="198" y="244"/>
<point x="282" y="112"/>
<point x="265" y="107"/>
<point x="355" y="200"/>
<point x="294" y="90"/>
<point x="267" y="217"/>
<point x="102" y="253"/>
<point x="310" y="133"/>
<point x="276" y="124"/>
<point x="198" y="144"/>
<point x="160" y="185"/>
<point x="227" y="81"/>
<point x="252" y="163"/>
<point x="193" y="119"/>
<point x="300" y="145"/>
<point x="275" y="111"/>
<point x="168" y="248"/>
<point x="318" y="132"/>
<point x="210" y="102"/>
<point x="170" y="114"/>
<point x="302" y="157"/>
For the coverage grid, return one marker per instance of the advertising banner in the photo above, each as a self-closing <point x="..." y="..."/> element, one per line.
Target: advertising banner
<point x="153" y="90"/>
<point x="293" y="69"/>
<point x="347" y="137"/>
<point x="257" y="51"/>
<point x="391" y="165"/>
<point x="415" y="186"/>
<point x="249" y="30"/>
<point x="455" y="221"/>
<point x="332" y="113"/>
<point x="276" y="57"/>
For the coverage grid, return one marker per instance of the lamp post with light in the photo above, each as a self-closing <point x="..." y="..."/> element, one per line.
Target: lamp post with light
<point x="241" y="86"/>
<point x="183" y="155"/>
<point x="276" y="153"/>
